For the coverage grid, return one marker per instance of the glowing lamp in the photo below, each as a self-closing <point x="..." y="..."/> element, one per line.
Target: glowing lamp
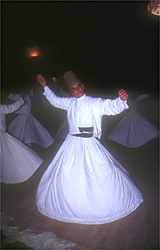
<point x="154" y="7"/>
<point x="33" y="52"/>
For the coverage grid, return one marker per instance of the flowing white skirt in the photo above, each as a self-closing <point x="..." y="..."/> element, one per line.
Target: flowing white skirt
<point x="85" y="184"/>
<point x="29" y="130"/>
<point x="17" y="162"/>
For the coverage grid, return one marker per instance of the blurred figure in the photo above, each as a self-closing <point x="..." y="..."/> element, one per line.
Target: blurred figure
<point x="17" y="162"/>
<point x="26" y="127"/>
<point x="134" y="130"/>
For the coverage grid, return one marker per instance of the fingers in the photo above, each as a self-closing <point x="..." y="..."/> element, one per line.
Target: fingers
<point x="123" y="94"/>
<point x="40" y="79"/>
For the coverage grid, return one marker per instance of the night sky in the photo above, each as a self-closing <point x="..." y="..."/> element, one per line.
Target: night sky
<point x="110" y="44"/>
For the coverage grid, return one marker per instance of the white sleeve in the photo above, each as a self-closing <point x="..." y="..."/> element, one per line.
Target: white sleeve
<point x="58" y="102"/>
<point x="111" y="107"/>
<point x="6" y="109"/>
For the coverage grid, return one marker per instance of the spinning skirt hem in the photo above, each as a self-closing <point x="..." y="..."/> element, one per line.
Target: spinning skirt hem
<point x="17" y="161"/>
<point x="104" y="220"/>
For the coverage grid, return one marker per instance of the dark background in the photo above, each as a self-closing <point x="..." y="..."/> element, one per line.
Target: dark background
<point x="110" y="44"/>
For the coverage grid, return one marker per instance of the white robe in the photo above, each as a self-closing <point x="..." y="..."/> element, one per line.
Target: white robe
<point x="17" y="161"/>
<point x="84" y="183"/>
<point x="26" y="127"/>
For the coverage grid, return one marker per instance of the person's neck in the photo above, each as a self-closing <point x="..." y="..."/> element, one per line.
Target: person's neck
<point x="81" y="95"/>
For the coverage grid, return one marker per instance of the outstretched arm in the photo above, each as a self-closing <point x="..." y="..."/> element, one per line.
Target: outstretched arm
<point x="6" y="109"/>
<point x="59" y="102"/>
<point x="115" y="106"/>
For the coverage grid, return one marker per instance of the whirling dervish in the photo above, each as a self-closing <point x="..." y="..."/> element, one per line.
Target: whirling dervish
<point x="17" y="161"/>
<point x="134" y="130"/>
<point x="26" y="127"/>
<point x="84" y="183"/>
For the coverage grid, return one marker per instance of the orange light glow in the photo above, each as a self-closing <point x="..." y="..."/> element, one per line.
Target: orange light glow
<point x="33" y="52"/>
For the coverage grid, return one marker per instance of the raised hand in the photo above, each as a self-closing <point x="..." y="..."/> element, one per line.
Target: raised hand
<point x="41" y="80"/>
<point x="123" y="94"/>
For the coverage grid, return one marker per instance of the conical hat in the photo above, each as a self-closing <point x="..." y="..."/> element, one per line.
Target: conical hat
<point x="70" y="78"/>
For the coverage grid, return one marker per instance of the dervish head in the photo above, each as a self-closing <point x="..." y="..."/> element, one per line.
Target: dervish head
<point x="75" y="87"/>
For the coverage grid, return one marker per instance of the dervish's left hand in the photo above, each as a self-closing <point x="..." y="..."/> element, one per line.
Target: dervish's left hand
<point x="123" y="94"/>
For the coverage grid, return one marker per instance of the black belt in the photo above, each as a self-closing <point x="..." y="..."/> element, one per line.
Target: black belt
<point x="86" y="129"/>
<point x="84" y="135"/>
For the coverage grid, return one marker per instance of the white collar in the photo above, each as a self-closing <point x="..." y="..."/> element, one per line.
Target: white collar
<point x="81" y="97"/>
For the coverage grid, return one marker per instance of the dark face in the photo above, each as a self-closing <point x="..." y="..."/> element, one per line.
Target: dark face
<point x="76" y="89"/>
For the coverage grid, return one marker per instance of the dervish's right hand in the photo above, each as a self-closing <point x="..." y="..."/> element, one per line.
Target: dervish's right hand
<point x="41" y="80"/>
